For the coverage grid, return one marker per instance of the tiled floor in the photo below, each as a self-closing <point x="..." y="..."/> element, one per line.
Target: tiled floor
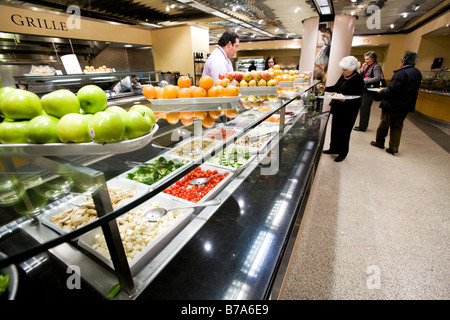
<point x="377" y="226"/>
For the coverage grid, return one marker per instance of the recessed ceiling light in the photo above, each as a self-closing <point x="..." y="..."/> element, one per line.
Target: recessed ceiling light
<point x="128" y="45"/>
<point x="392" y="26"/>
<point x="404" y="14"/>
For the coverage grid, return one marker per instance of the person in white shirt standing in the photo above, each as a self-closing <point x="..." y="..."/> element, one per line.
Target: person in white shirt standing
<point x="219" y="60"/>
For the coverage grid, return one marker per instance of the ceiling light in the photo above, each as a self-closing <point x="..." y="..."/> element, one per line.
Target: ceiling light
<point x="167" y="8"/>
<point x="325" y="10"/>
<point x="416" y="7"/>
<point x="128" y="45"/>
<point x="234" y="20"/>
<point x="220" y="15"/>
<point x="201" y="7"/>
<point x="151" y="25"/>
<point x="392" y="26"/>
<point x="404" y="14"/>
<point x="323" y="6"/>
<point x="353" y="1"/>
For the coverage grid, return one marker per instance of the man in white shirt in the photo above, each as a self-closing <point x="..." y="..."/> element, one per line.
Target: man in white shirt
<point x="219" y="60"/>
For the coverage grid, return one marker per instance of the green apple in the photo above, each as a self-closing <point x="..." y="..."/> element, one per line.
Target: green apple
<point x="21" y="105"/>
<point x="106" y="127"/>
<point x="60" y="102"/>
<point x="4" y="91"/>
<point x="73" y="127"/>
<point x="92" y="98"/>
<point x="121" y="111"/>
<point x="137" y="124"/>
<point x="43" y="129"/>
<point x="13" y="132"/>
<point x="145" y="109"/>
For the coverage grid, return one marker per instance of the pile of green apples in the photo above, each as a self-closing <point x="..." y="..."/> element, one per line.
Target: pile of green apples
<point x="62" y="116"/>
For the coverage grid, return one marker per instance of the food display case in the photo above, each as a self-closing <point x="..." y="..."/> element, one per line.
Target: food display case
<point x="434" y="95"/>
<point x="438" y="81"/>
<point x="83" y="212"/>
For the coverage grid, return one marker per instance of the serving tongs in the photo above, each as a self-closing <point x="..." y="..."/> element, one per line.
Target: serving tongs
<point x="158" y="165"/>
<point x="153" y="215"/>
<point x="83" y="206"/>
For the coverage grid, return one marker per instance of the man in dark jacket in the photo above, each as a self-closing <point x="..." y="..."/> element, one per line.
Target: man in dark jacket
<point x="399" y="99"/>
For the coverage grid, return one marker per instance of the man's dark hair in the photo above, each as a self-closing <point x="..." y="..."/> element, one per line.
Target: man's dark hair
<point x="410" y="58"/>
<point x="228" y="36"/>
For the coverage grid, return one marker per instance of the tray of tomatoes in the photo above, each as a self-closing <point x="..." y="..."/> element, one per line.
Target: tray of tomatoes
<point x="183" y="191"/>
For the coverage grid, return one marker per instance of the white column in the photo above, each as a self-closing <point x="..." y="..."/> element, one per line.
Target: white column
<point x="309" y="44"/>
<point x="341" y="45"/>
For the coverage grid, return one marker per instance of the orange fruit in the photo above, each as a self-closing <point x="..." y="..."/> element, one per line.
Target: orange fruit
<point x="221" y="91"/>
<point x="276" y="67"/>
<point x="170" y="91"/>
<point x="214" y="91"/>
<point x="172" y="117"/>
<point x="186" y="114"/>
<point x="199" y="92"/>
<point x="219" y="82"/>
<point x="230" y="113"/>
<point x="208" y="122"/>
<point x="231" y="91"/>
<point x="187" y="121"/>
<point x="200" y="114"/>
<point x="184" y="93"/>
<point x="206" y="82"/>
<point x="149" y="92"/>
<point x="214" y="113"/>
<point x="184" y="82"/>
<point x="159" y="93"/>
<point x="277" y="72"/>
<point x="159" y="115"/>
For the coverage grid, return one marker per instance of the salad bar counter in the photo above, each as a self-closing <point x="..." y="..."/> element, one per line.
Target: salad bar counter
<point x="88" y="216"/>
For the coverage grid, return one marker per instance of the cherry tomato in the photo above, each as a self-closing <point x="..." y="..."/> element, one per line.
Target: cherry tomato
<point x="183" y="190"/>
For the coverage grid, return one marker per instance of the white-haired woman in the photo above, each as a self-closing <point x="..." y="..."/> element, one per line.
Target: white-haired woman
<point x="345" y="111"/>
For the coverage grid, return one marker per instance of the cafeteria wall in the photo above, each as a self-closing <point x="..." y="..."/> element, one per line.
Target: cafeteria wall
<point x="174" y="47"/>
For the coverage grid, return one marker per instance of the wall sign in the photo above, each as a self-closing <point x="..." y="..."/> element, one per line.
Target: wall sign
<point x="38" y="23"/>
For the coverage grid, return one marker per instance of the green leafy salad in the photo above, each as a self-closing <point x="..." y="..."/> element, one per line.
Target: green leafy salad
<point x="231" y="157"/>
<point x="4" y="280"/>
<point x="155" y="170"/>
